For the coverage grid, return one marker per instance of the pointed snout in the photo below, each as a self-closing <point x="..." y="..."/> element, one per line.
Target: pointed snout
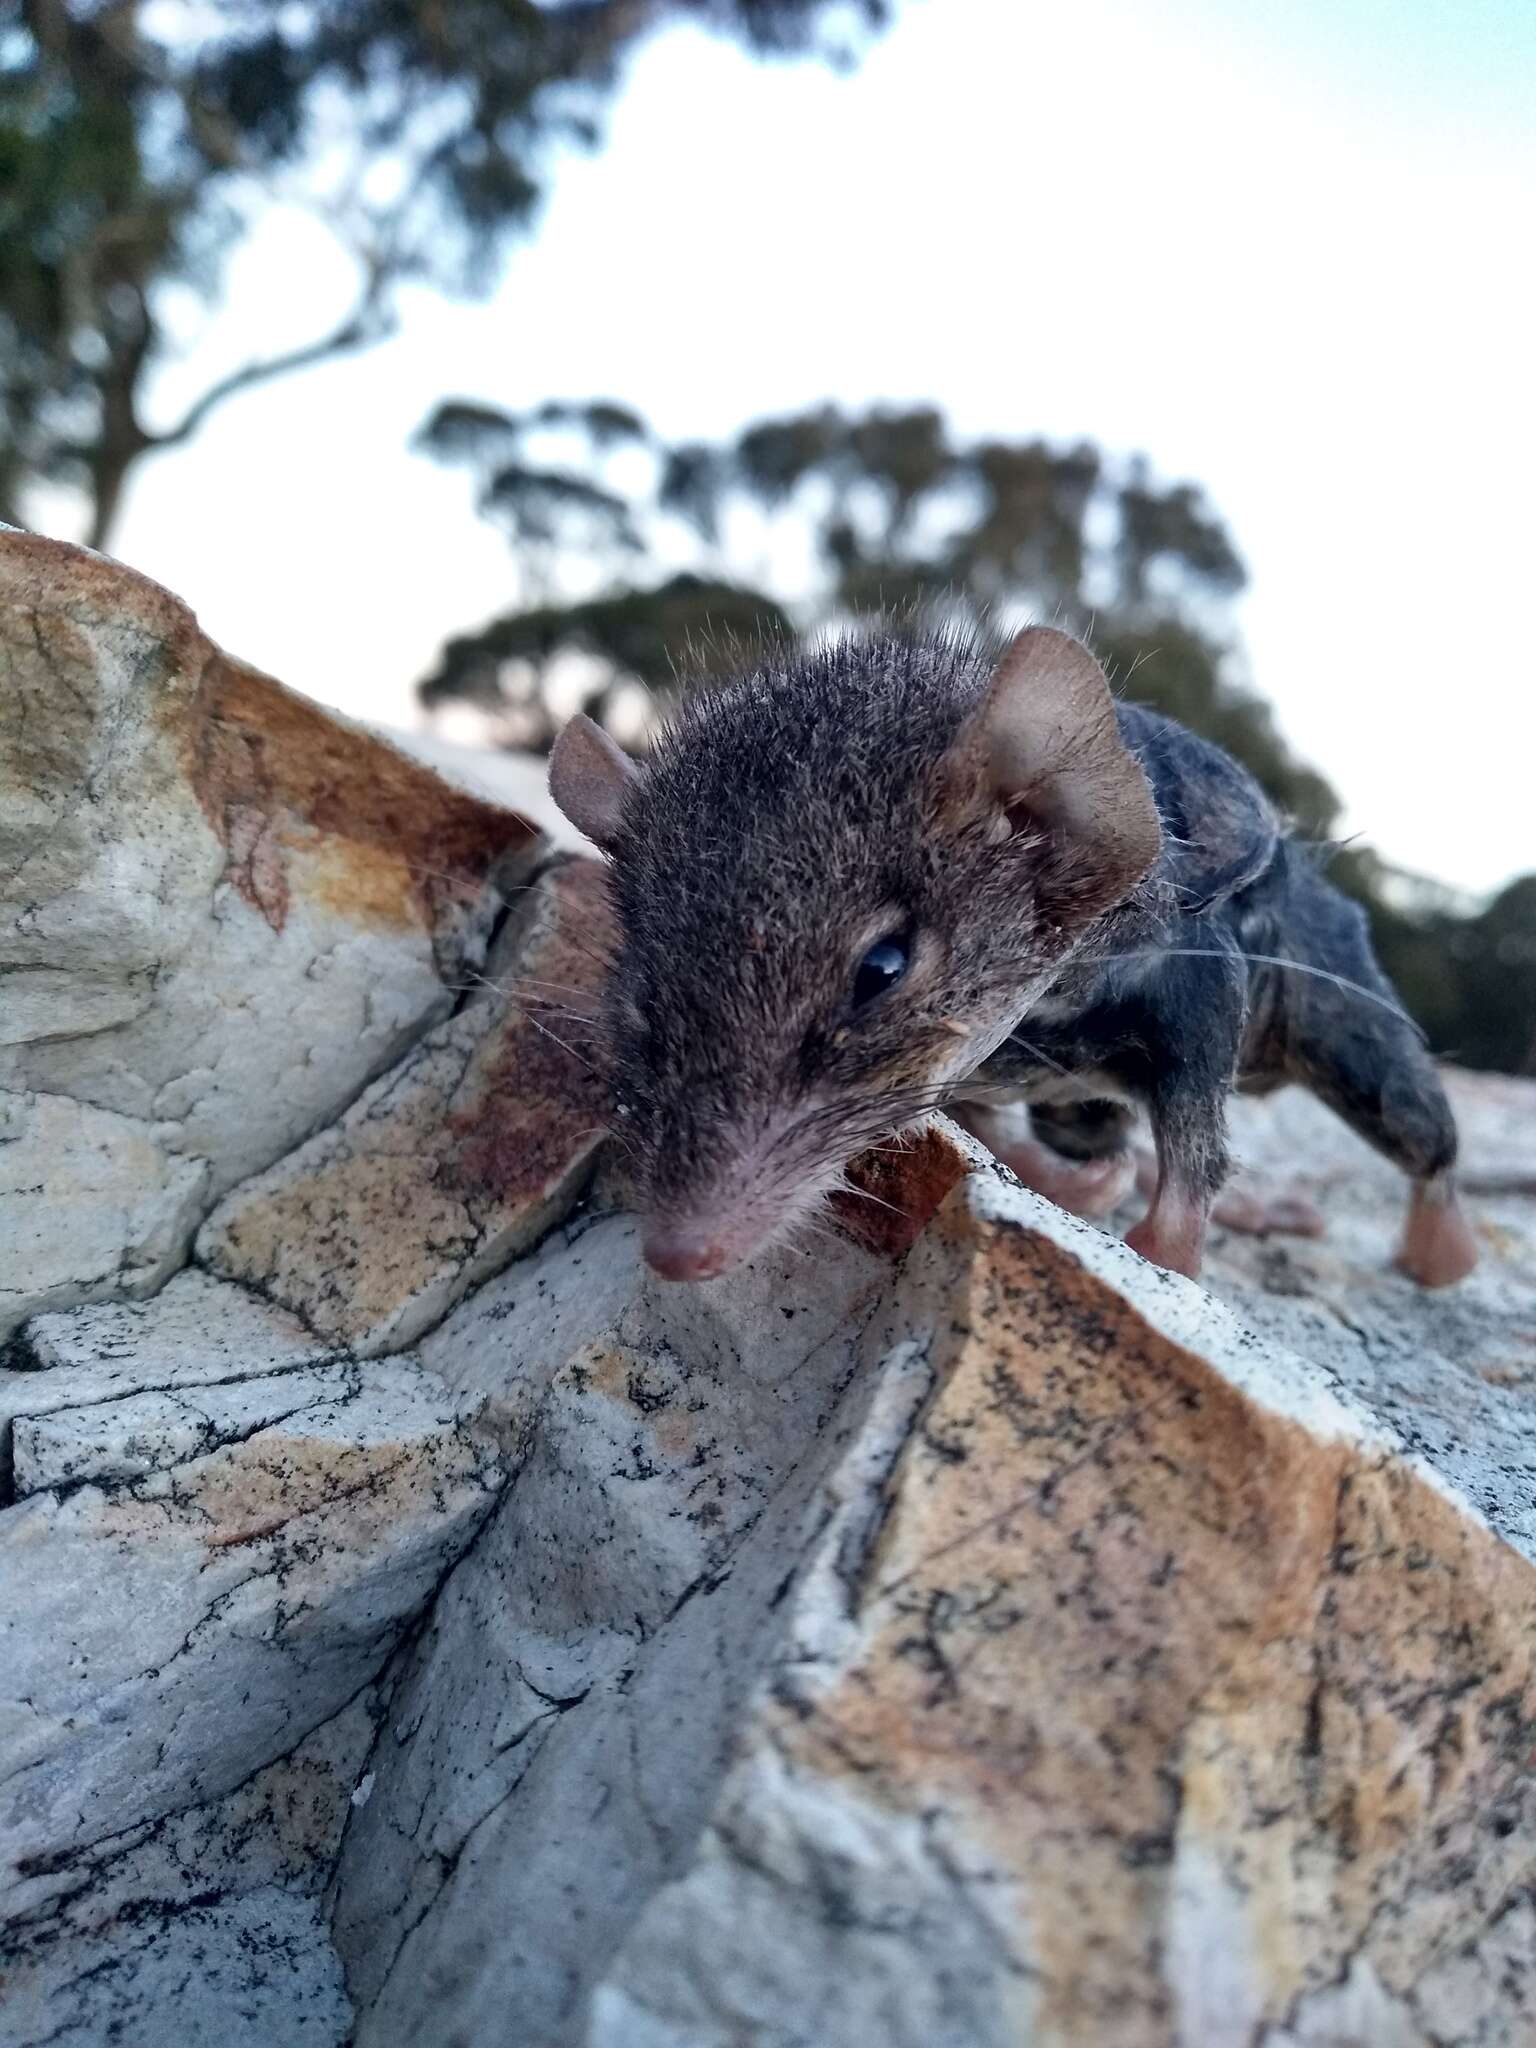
<point x="685" y="1251"/>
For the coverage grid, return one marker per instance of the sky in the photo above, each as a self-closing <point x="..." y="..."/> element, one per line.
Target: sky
<point x="1286" y="251"/>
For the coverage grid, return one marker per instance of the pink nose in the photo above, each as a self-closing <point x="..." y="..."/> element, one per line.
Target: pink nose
<point x="678" y="1253"/>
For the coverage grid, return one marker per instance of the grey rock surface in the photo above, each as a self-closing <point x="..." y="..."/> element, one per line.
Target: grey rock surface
<point x="145" y="1433"/>
<point x="203" y="1924"/>
<point x="165" y="1635"/>
<point x="197" y="1332"/>
<point x="449" y="1164"/>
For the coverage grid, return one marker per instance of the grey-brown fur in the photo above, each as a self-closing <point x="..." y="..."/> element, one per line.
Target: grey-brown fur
<point x="787" y="815"/>
<point x="777" y="814"/>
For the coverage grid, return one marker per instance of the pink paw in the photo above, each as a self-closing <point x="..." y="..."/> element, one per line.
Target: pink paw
<point x="1176" y="1242"/>
<point x="1438" y="1247"/>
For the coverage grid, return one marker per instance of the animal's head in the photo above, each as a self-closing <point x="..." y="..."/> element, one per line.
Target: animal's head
<point x="840" y="881"/>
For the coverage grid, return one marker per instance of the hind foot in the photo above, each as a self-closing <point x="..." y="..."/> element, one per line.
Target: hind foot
<point x="1087" y="1187"/>
<point x="1437" y="1247"/>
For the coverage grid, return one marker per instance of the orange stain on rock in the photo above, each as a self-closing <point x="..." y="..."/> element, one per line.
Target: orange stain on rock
<point x="272" y="770"/>
<point x="354" y="884"/>
<point x="902" y="1185"/>
<point x="1118" y="1605"/>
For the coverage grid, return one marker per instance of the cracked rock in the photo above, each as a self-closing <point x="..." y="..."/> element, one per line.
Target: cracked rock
<point x="196" y="1332"/>
<point x="164" y="1636"/>
<point x="454" y="1161"/>
<point x="129" y="1439"/>
<point x="222" y="910"/>
<point x="206" y="1925"/>
<point x="92" y="1204"/>
<point x="1009" y="1647"/>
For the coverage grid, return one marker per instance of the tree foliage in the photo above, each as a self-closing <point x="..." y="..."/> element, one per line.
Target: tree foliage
<point x="138" y="142"/>
<point x="885" y="508"/>
<point x="646" y="635"/>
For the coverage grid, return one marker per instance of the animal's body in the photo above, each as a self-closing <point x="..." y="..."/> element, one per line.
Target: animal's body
<point x="907" y="870"/>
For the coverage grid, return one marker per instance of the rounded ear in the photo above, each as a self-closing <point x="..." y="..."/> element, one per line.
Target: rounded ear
<point x="1044" y="744"/>
<point x="589" y="777"/>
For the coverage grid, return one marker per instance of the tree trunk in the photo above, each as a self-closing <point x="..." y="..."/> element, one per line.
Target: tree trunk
<point x="121" y="440"/>
<point x="109" y="472"/>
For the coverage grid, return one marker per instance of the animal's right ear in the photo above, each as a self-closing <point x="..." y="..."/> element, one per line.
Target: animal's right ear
<point x="589" y="777"/>
<point x="1043" y="747"/>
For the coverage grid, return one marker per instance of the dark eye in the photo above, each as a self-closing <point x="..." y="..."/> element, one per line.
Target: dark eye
<point x="881" y="968"/>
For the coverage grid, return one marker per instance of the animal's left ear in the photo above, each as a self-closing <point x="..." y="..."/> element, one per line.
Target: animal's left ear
<point x="1044" y="747"/>
<point x="590" y="775"/>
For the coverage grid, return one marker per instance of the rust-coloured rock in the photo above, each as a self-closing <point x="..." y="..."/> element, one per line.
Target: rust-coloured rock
<point x="277" y="775"/>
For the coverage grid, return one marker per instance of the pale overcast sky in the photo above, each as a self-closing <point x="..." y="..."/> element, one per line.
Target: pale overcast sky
<point x="1285" y="250"/>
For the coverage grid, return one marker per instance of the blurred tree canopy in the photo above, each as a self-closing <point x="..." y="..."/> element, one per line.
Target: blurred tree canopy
<point x="878" y="510"/>
<point x="139" y="141"/>
<point x="644" y="561"/>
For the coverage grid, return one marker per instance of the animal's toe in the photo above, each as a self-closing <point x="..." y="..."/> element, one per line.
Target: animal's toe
<point x="1174" y="1243"/>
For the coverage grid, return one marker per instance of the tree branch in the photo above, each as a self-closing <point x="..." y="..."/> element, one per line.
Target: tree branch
<point x="364" y="326"/>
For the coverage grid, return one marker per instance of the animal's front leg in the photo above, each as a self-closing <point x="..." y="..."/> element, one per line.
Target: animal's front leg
<point x="1190" y="1033"/>
<point x="1191" y="1164"/>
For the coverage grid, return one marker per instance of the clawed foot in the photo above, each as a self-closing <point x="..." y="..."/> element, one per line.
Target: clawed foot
<point x="1438" y="1247"/>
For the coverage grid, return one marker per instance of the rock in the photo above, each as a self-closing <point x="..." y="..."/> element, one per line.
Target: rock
<point x="125" y="1954"/>
<point x="516" y="780"/>
<point x="164" y="1636"/>
<point x="147" y="1433"/>
<point x="449" y="1164"/>
<point x="1169" y="1692"/>
<point x="965" y="1635"/>
<point x="222" y="910"/>
<point x="581" y="1681"/>
<point x="1450" y="1373"/>
<point x="92" y="1204"/>
<point x="197" y="1332"/>
<point x="245" y="1973"/>
<point x="1064" y="1663"/>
